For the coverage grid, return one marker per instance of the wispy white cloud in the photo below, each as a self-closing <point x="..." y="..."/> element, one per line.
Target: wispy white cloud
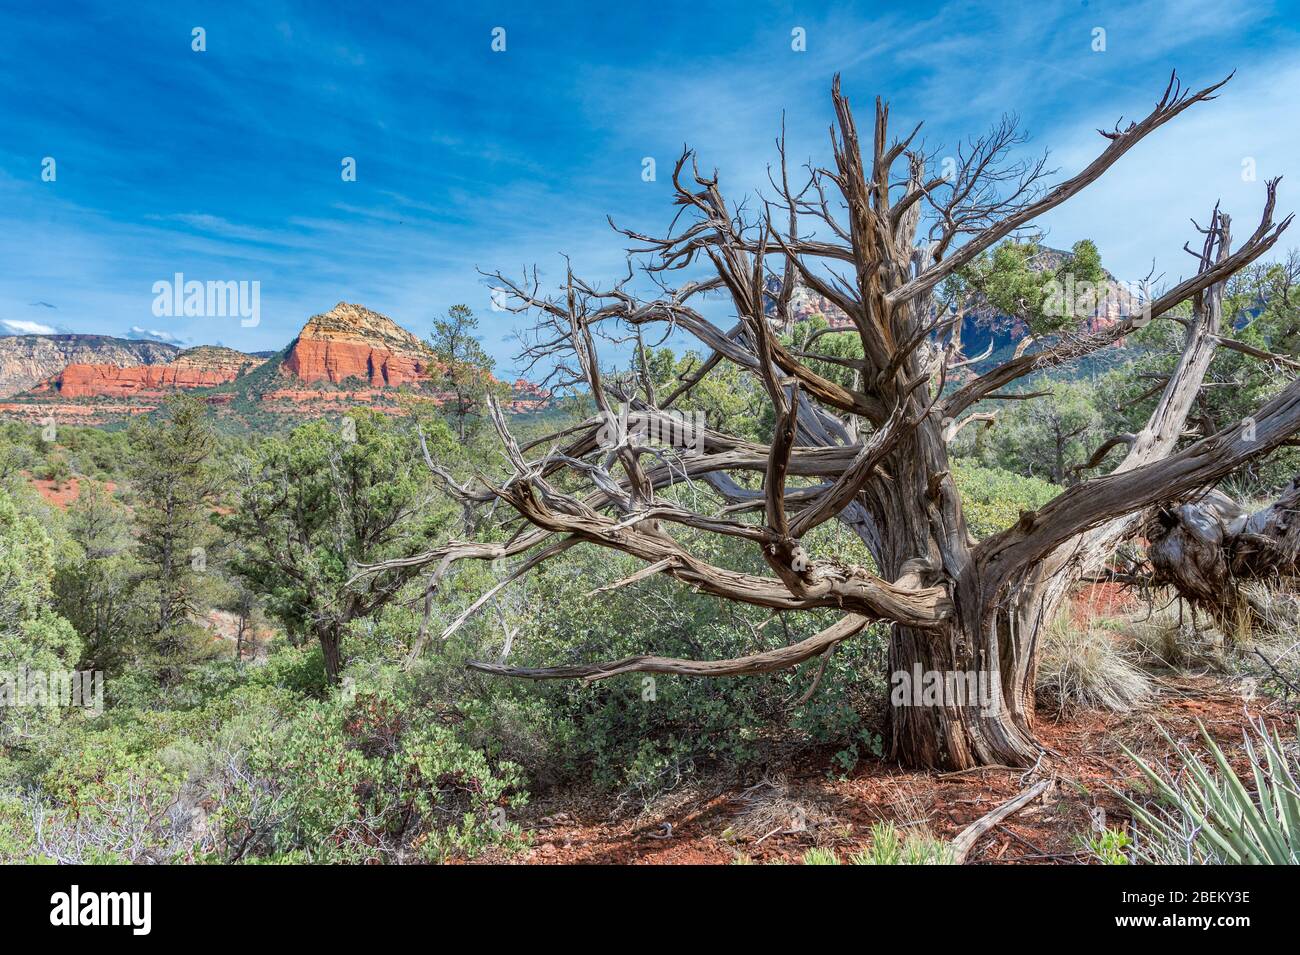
<point x="22" y="327"/>
<point x="152" y="335"/>
<point x="222" y="228"/>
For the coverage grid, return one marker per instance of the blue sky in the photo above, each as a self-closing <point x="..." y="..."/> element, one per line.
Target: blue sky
<point x="225" y="164"/>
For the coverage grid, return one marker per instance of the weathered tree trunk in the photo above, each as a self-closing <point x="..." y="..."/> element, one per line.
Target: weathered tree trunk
<point x="960" y="696"/>
<point x="244" y="621"/>
<point x="974" y="722"/>
<point x="331" y="650"/>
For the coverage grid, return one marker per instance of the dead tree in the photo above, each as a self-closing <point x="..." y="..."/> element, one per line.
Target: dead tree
<point x="1208" y="546"/>
<point x="876" y="235"/>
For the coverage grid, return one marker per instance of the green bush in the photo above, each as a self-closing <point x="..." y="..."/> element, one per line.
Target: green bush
<point x="377" y="778"/>
<point x="992" y="499"/>
<point x="640" y="735"/>
<point x="228" y="767"/>
<point x="1110" y="847"/>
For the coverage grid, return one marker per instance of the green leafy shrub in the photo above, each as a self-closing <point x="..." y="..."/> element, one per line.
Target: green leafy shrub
<point x="638" y="735"/>
<point x="373" y="779"/>
<point x="992" y="499"/>
<point x="1111" y="847"/>
<point x="98" y="801"/>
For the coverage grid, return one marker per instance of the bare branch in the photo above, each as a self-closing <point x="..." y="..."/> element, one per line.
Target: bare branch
<point x="781" y="658"/>
<point x="1173" y="102"/>
<point x="1104" y="449"/>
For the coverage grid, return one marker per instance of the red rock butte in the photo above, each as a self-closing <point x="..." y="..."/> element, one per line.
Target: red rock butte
<point x="352" y="342"/>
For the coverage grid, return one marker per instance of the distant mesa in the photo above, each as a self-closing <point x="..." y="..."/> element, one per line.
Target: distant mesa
<point x="200" y="367"/>
<point x="528" y="396"/>
<point x="346" y="357"/>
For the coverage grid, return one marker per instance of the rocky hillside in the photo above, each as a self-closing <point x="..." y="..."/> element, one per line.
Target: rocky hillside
<point x="26" y="360"/>
<point x="983" y="326"/>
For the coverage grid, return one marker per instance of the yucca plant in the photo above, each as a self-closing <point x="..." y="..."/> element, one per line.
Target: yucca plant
<point x="1206" y="815"/>
<point x="890" y="847"/>
<point x="820" y="857"/>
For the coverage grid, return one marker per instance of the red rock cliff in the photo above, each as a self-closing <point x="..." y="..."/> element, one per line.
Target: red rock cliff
<point x="200" y="367"/>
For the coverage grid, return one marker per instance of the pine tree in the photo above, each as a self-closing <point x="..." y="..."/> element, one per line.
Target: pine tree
<point x="466" y="368"/>
<point x="174" y="477"/>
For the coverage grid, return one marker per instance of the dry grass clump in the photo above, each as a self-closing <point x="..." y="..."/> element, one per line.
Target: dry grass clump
<point x="1276" y="607"/>
<point x="1272" y="665"/>
<point x="768" y="809"/>
<point x="1087" y="669"/>
<point x="1266" y="654"/>
<point x="1167" y="638"/>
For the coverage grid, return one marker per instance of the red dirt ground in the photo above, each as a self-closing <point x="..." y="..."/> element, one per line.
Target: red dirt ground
<point x="1095" y="601"/>
<point x="689" y="827"/>
<point x="63" y="493"/>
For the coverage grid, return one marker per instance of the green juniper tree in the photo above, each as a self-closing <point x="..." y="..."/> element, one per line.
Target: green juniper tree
<point x="32" y="634"/>
<point x="314" y="507"/>
<point x="98" y="588"/>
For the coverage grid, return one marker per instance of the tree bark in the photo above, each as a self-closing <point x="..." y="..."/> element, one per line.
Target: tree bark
<point x="973" y="723"/>
<point x="331" y="650"/>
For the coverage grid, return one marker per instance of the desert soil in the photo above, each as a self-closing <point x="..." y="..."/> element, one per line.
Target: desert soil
<point x="703" y="824"/>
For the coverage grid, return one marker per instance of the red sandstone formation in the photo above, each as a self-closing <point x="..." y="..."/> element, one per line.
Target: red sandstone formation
<point x="68" y="413"/>
<point x="200" y="367"/>
<point x="377" y="363"/>
<point x="336" y="362"/>
<point x="109" y="381"/>
<point x="350" y="341"/>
